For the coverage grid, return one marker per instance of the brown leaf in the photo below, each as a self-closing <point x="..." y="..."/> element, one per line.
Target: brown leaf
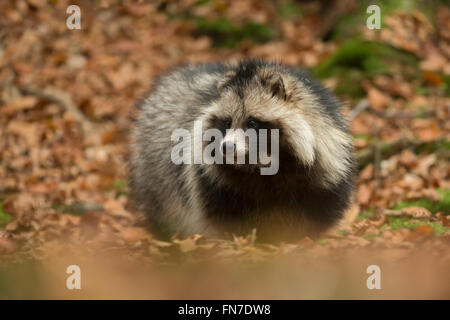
<point x="188" y="244"/>
<point x="400" y="235"/>
<point x="306" y="243"/>
<point x="425" y="164"/>
<point x="445" y="221"/>
<point x="420" y="233"/>
<point x="429" y="194"/>
<point x="116" y="208"/>
<point x="12" y="226"/>
<point x="7" y="244"/>
<point x="377" y="99"/>
<point x="416" y="212"/>
<point x="134" y="234"/>
<point x="427" y="129"/>
<point x="367" y="172"/>
<point x="30" y="131"/>
<point x="435" y="63"/>
<point x="363" y="194"/>
<point x="433" y="78"/>
<point x="19" y="105"/>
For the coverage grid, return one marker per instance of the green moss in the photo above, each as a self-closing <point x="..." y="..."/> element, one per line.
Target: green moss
<point x="342" y="233"/>
<point x="438" y="228"/>
<point x="422" y="91"/>
<point x="366" y="214"/>
<point x="443" y="205"/>
<point x="120" y="186"/>
<point x="369" y="57"/>
<point x="362" y="136"/>
<point x="202" y="2"/>
<point x="433" y="146"/>
<point x="427" y="89"/>
<point x="445" y="144"/>
<point x="370" y="236"/>
<point x="4" y="217"/>
<point x="224" y="33"/>
<point x="396" y="223"/>
<point x="405" y="222"/>
<point x="446" y="84"/>
<point x="351" y="25"/>
<point x="357" y="60"/>
<point x="421" y="112"/>
<point x="289" y="10"/>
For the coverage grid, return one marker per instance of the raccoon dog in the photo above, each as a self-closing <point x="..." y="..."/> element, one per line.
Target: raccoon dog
<point x="313" y="181"/>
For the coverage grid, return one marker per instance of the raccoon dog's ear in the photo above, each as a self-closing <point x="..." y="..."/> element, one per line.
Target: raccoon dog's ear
<point x="222" y="83"/>
<point x="275" y="84"/>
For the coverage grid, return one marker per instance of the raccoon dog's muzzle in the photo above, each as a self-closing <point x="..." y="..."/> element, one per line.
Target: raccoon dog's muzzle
<point x="234" y="147"/>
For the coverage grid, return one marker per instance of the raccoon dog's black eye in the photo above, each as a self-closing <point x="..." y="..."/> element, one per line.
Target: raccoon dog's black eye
<point x="252" y="124"/>
<point x="228" y="123"/>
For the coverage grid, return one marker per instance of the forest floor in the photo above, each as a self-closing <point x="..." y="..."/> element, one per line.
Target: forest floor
<point x="66" y="102"/>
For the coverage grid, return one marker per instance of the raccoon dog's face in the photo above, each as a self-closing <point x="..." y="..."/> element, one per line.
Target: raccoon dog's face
<point x="287" y="118"/>
<point x="250" y="138"/>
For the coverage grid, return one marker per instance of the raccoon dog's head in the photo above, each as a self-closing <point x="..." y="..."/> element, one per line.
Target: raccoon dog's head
<point x="295" y="120"/>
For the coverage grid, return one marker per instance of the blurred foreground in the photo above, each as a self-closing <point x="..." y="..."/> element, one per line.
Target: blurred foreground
<point x="237" y="272"/>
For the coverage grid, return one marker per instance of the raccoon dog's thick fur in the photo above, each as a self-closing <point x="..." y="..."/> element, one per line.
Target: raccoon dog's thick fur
<point x="308" y="194"/>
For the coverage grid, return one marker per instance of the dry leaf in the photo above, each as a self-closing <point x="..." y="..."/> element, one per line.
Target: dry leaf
<point x="115" y="208"/>
<point x="21" y="104"/>
<point x="377" y="99"/>
<point x="363" y="194"/>
<point x="188" y="244"/>
<point x="134" y="234"/>
<point x="416" y="212"/>
<point x="420" y="233"/>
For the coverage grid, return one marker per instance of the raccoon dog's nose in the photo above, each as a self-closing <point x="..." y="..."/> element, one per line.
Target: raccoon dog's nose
<point x="227" y="147"/>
